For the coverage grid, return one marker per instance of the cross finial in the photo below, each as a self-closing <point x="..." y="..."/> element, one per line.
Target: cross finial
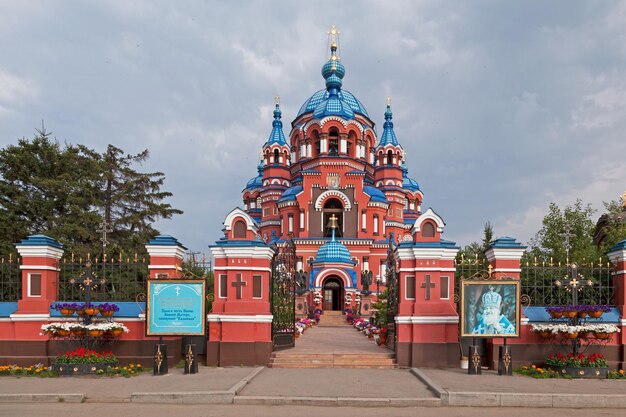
<point x="276" y="100"/>
<point x="389" y="100"/>
<point x="333" y="221"/>
<point x="333" y="40"/>
<point x="567" y="235"/>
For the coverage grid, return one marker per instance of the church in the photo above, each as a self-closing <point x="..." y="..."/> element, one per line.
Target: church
<point x="341" y="191"/>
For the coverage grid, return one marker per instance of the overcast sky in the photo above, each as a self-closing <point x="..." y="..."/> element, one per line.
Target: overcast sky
<point x="502" y="107"/>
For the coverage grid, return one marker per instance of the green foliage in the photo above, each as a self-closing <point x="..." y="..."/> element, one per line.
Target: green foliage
<point x="381" y="308"/>
<point x="539" y="373"/>
<point x="66" y="191"/>
<point x="549" y="244"/>
<point x="614" y="230"/>
<point x="475" y="251"/>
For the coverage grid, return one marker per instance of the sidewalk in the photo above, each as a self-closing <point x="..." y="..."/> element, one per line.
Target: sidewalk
<point x="322" y="387"/>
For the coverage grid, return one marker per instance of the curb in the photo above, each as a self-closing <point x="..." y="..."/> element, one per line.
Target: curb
<point x="42" y="398"/>
<point x="539" y="400"/>
<point x="338" y="401"/>
<point x="200" y="397"/>
<point x="441" y="393"/>
<point x="239" y="386"/>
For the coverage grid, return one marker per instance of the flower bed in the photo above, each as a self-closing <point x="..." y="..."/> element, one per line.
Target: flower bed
<point x="578" y="365"/>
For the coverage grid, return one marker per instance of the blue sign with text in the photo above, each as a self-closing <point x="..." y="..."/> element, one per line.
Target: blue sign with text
<point x="175" y="307"/>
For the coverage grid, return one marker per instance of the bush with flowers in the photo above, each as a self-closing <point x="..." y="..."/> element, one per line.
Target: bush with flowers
<point x="616" y="374"/>
<point x="85" y="356"/>
<point x="33" y="370"/>
<point x="535" y="371"/>
<point x="595" y="360"/>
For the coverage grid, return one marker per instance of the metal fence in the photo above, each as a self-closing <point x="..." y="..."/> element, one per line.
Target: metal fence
<point x="118" y="279"/>
<point x="548" y="284"/>
<point x="10" y="279"/>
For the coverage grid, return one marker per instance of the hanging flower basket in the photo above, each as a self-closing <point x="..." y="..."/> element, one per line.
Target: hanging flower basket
<point x="569" y="335"/>
<point x="602" y="335"/>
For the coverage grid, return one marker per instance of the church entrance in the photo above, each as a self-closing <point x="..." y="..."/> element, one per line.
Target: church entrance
<point x="332" y="292"/>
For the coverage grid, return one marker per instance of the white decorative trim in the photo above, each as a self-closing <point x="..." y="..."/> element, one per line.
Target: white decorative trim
<point x="244" y="267"/>
<point x="30" y="316"/>
<point x="264" y="318"/>
<point x="333" y="193"/>
<point x="427" y="319"/>
<point x="507" y="270"/>
<point x="176" y="267"/>
<point x="427" y="269"/>
<point x="619" y="272"/>
<point x="44" y="251"/>
<point x="347" y="281"/>
<point x="427" y="253"/>
<point x="506" y="254"/>
<point x="616" y="256"/>
<point x="524" y="321"/>
<point x="237" y="212"/>
<point x="254" y="252"/>
<point x="428" y="215"/>
<point x="40" y="268"/>
<point x="164" y="251"/>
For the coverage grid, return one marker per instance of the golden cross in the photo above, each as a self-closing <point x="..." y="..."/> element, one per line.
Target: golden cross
<point x="333" y="34"/>
<point x="389" y="100"/>
<point x="276" y="100"/>
<point x="87" y="281"/>
<point x="333" y="221"/>
<point x="574" y="283"/>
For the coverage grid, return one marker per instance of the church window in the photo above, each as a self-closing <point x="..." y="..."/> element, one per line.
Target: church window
<point x="333" y="142"/>
<point x="399" y="213"/>
<point x="281" y="225"/>
<point x="318" y="149"/>
<point x="364" y="219"/>
<point x="376" y="224"/>
<point x="266" y="211"/>
<point x="239" y="229"/>
<point x="428" y="230"/>
<point x="389" y="157"/>
<point x="290" y="223"/>
<point x="444" y="288"/>
<point x="223" y="286"/>
<point x="332" y="206"/>
<point x="275" y="210"/>
<point x="258" y="201"/>
<point x="412" y="205"/>
<point x="276" y="160"/>
<point x="410" y="288"/>
<point x="257" y="286"/>
<point x="301" y="219"/>
<point x="34" y="285"/>
<point x="406" y="203"/>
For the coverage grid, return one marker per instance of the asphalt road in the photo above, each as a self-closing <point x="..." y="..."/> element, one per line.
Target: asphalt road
<point x="178" y="410"/>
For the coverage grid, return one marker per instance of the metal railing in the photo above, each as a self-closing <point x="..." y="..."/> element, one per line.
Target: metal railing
<point x="10" y="279"/>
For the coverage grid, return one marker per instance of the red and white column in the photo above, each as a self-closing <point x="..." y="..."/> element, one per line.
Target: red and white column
<point x="166" y="257"/>
<point x="617" y="255"/>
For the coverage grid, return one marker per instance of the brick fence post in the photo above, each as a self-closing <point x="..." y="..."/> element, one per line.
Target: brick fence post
<point x="617" y="255"/>
<point x="166" y="257"/>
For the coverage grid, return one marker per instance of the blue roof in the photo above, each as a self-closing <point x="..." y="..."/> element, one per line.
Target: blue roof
<point x="333" y="101"/>
<point x="506" y="242"/>
<point x="333" y="251"/>
<point x="256" y="182"/>
<point x="291" y="193"/>
<point x="277" y="136"/>
<point x="389" y="136"/>
<point x="408" y="183"/>
<point x="40" y="240"/>
<point x="619" y="246"/>
<point x="375" y="194"/>
<point x="166" y="240"/>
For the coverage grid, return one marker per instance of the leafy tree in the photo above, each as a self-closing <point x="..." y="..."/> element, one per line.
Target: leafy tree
<point x="46" y="188"/>
<point x="611" y="226"/>
<point x="551" y="242"/>
<point x="67" y="191"/>
<point x="476" y="250"/>
<point x="131" y="201"/>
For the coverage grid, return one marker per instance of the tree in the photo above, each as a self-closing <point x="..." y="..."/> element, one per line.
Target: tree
<point x="131" y="200"/>
<point x="611" y="226"/>
<point x="45" y="188"/>
<point x="551" y="243"/>
<point x="67" y="191"/>
<point x="477" y="250"/>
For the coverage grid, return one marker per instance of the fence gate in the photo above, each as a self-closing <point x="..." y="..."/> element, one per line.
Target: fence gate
<point x="283" y="295"/>
<point x="393" y="294"/>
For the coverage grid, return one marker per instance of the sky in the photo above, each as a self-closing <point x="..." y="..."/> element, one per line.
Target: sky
<point x="501" y="107"/>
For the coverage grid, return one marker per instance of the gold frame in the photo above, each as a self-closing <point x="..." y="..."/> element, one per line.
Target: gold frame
<point x="487" y="284"/>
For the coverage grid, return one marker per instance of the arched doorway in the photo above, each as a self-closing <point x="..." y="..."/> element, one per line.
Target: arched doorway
<point x="332" y="293"/>
<point x="332" y="206"/>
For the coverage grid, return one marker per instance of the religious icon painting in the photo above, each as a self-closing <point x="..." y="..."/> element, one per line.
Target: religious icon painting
<point x="490" y="308"/>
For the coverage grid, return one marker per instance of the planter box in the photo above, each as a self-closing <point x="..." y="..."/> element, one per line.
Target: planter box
<point x="80" y="369"/>
<point x="586" y="373"/>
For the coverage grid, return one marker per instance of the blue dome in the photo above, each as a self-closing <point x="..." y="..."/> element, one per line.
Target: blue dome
<point x="408" y="183"/>
<point x="256" y="182"/>
<point x="333" y="251"/>
<point x="277" y="135"/>
<point x="291" y="193"/>
<point x="375" y="194"/>
<point x="389" y="136"/>
<point x="345" y="98"/>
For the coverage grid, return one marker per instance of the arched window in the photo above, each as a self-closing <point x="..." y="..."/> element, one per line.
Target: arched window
<point x="276" y="156"/>
<point x="375" y="224"/>
<point x="428" y="230"/>
<point x="389" y="157"/>
<point x="332" y="206"/>
<point x="239" y="229"/>
<point x="333" y="141"/>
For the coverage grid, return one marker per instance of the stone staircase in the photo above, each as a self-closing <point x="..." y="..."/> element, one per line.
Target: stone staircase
<point x="285" y="359"/>
<point x="333" y="319"/>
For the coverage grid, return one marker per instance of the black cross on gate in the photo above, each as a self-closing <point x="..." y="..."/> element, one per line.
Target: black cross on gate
<point x="428" y="285"/>
<point x="238" y="284"/>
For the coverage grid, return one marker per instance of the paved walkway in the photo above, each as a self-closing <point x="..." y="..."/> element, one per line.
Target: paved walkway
<point x="342" y="339"/>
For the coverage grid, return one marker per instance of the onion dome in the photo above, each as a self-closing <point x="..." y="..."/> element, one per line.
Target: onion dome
<point x="256" y="182"/>
<point x="408" y="183"/>
<point x="333" y="251"/>
<point x="375" y="194"/>
<point x="333" y="100"/>
<point x="291" y="193"/>
<point x="388" y="137"/>
<point x="277" y="136"/>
